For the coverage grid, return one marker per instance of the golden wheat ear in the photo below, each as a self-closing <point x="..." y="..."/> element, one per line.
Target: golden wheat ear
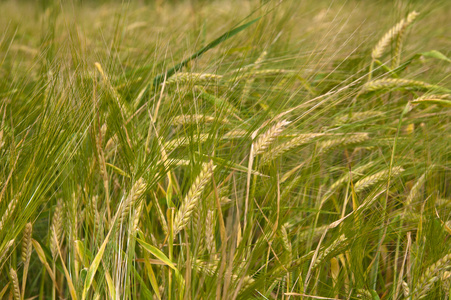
<point x="396" y="30"/>
<point x="183" y="215"/>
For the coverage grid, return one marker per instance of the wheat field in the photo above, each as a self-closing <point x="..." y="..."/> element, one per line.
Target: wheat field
<point x="225" y="149"/>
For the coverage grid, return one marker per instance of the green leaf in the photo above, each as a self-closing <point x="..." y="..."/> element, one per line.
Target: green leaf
<point x="95" y="265"/>
<point x="158" y="254"/>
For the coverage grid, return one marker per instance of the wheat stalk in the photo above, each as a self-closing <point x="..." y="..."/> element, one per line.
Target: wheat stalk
<point x="189" y="203"/>
<point x="376" y="178"/>
<point x="380" y="47"/>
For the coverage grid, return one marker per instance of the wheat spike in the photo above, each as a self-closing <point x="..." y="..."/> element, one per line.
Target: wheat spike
<point x="358" y="116"/>
<point x="160" y="216"/>
<point x="444" y="99"/>
<point x="397" y="55"/>
<point x="191" y="119"/>
<point x="405" y="289"/>
<point x="5" y="251"/>
<point x="343" y="141"/>
<point x="56" y="227"/>
<point x="184" y="141"/>
<point x="284" y="235"/>
<point x="15" y="283"/>
<point x="9" y="211"/>
<point x="287" y="146"/>
<point x="390" y="83"/>
<point x="251" y="79"/>
<point x="364" y="294"/>
<point x="430" y="276"/>
<point x="26" y="242"/>
<point x="189" y="203"/>
<point x="334" y="247"/>
<point x="369" y="181"/>
<point x="195" y="78"/>
<point x="380" y="47"/>
<point x="235" y="134"/>
<point x="26" y="252"/>
<point x="262" y="73"/>
<point x="210" y="223"/>
<point x="137" y="216"/>
<point x="266" y="139"/>
<point x="415" y="191"/>
<point x="136" y="192"/>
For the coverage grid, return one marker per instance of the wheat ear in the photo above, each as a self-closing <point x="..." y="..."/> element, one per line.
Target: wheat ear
<point x="336" y="246"/>
<point x="287" y="146"/>
<point x="391" y="83"/>
<point x="364" y="294"/>
<point x="15" y="282"/>
<point x="415" y="191"/>
<point x="444" y="99"/>
<point x="184" y="141"/>
<point x="344" y="141"/>
<point x="251" y="79"/>
<point x="380" y="47"/>
<point x="369" y="181"/>
<point x="191" y="119"/>
<point x="397" y="55"/>
<point x="26" y="252"/>
<point x="210" y="224"/>
<point x="190" y="201"/>
<point x="266" y="139"/>
<point x="195" y="78"/>
<point x="4" y="253"/>
<point x="430" y="276"/>
<point x="358" y="116"/>
<point x="136" y="192"/>
<point x="9" y="211"/>
<point x="57" y="227"/>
